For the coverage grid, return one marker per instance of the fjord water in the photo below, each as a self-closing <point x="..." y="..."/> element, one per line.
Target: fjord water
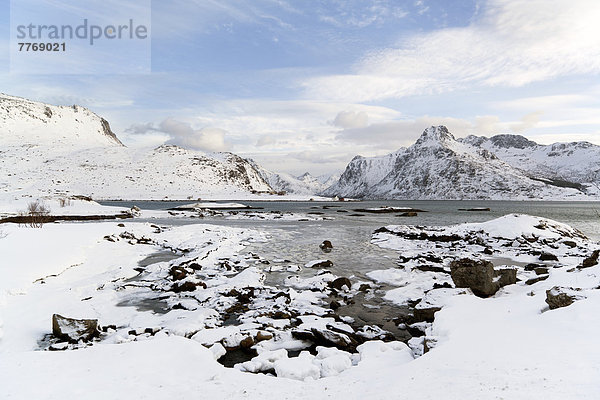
<point x="584" y="216"/>
<point x="350" y="231"/>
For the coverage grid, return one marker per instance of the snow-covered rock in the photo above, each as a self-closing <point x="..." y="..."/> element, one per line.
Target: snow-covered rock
<point x="439" y="166"/>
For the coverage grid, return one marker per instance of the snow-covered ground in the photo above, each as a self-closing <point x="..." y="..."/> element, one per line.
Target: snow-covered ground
<point x="508" y="346"/>
<point x="48" y="150"/>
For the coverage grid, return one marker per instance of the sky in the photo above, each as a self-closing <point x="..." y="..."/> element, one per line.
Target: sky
<point x="305" y="85"/>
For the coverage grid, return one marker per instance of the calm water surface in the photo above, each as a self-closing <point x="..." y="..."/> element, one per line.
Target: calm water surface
<point x="353" y="255"/>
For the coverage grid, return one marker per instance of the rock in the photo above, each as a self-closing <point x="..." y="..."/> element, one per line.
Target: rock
<point x="364" y="287"/>
<point x="488" y="251"/>
<point x="560" y="296"/>
<point x="328" y="337"/>
<point x="444" y="285"/>
<point x="416" y="330"/>
<point x="73" y="330"/>
<point x="408" y="214"/>
<point x="569" y="243"/>
<point x="532" y="267"/>
<point x="425" y="314"/>
<point x="591" y="260"/>
<point x="430" y="268"/>
<point x="476" y="275"/>
<point x="195" y="266"/>
<point x="541" y="270"/>
<point x="178" y="273"/>
<point x="339" y="283"/>
<point x="187" y="286"/>
<point x="334" y="305"/>
<point x="319" y="264"/>
<point x="263" y="335"/>
<point x="326" y="246"/>
<point x="247" y="342"/>
<point x="121" y="225"/>
<point x="507" y="276"/>
<point x="548" y="257"/>
<point x="536" y="279"/>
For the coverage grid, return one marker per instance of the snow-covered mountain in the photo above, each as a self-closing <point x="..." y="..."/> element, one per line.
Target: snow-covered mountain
<point x="57" y="150"/>
<point x="305" y="184"/>
<point x="438" y="166"/>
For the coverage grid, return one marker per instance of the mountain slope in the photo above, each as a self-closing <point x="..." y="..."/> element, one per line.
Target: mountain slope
<point x="438" y="166"/>
<point x="54" y="150"/>
<point x="575" y="162"/>
<point x="305" y="184"/>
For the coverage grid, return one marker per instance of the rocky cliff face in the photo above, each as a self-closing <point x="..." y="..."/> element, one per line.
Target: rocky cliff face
<point x="55" y="150"/>
<point x="438" y="166"/>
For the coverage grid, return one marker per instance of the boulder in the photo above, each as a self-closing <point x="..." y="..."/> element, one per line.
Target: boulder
<point x="364" y="287"/>
<point x="591" y="260"/>
<point x="537" y="279"/>
<point x="263" y="335"/>
<point x="319" y="264"/>
<point x="339" y="283"/>
<point x="480" y="276"/>
<point x="247" y="342"/>
<point x="425" y="314"/>
<point x="326" y="246"/>
<point x="548" y="257"/>
<point x="328" y="337"/>
<point x="178" y="273"/>
<point x="560" y="296"/>
<point x="334" y="305"/>
<point x="408" y="214"/>
<point x="507" y="276"/>
<point x="476" y="275"/>
<point x="187" y="286"/>
<point x="73" y="330"/>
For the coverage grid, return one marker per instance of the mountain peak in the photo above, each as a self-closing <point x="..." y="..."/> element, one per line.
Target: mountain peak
<point x="435" y="134"/>
<point x="512" y="141"/>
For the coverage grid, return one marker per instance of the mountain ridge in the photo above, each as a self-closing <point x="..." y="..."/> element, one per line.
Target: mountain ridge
<point x="48" y="150"/>
<point x="439" y="166"/>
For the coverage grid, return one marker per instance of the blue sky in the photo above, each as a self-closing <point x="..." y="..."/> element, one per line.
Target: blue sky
<point x="306" y="85"/>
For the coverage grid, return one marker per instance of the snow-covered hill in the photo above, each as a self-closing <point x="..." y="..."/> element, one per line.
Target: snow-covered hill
<point x="438" y="166"/>
<point x="305" y="184"/>
<point x="56" y="150"/>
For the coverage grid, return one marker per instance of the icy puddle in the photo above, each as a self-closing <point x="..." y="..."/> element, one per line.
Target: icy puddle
<point x="140" y="301"/>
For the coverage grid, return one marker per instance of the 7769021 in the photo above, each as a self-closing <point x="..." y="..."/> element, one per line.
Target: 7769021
<point x="27" y="46"/>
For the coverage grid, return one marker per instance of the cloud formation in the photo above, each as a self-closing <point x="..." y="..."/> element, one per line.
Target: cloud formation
<point x="205" y="139"/>
<point x="351" y="119"/>
<point x="513" y="43"/>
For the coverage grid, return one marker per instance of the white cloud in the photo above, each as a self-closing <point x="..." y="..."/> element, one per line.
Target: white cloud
<point x="513" y="43"/>
<point x="205" y="139"/>
<point x="545" y="102"/>
<point x="527" y="122"/>
<point x="351" y="119"/>
<point x="265" y="140"/>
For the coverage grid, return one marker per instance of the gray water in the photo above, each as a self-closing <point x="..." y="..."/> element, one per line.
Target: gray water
<point x="584" y="216"/>
<point x="353" y="255"/>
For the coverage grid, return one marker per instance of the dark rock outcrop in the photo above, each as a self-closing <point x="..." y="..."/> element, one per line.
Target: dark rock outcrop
<point x="591" y="260"/>
<point x="339" y="283"/>
<point x="548" y="257"/>
<point x="475" y="275"/>
<point x="74" y="330"/>
<point x="326" y="246"/>
<point x="560" y="296"/>
<point x="480" y="276"/>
